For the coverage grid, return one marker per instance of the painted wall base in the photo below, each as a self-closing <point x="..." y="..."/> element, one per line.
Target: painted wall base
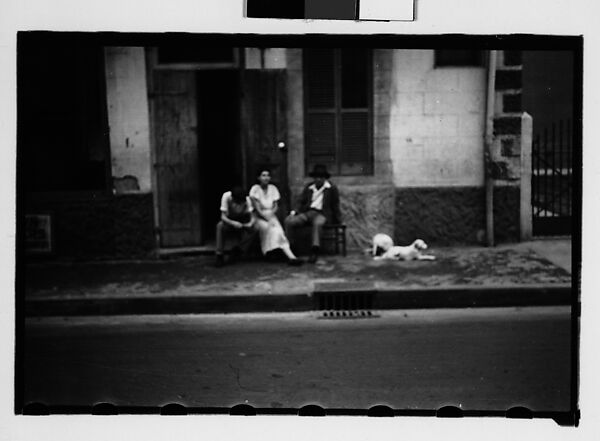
<point x="454" y="215"/>
<point x="103" y="227"/>
<point x="122" y="226"/>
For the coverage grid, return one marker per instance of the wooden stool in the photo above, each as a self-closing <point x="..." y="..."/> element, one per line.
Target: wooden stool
<point x="337" y="234"/>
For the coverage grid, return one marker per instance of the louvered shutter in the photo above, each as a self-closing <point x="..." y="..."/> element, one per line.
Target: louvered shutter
<point x="321" y="138"/>
<point x="355" y="151"/>
<point x="355" y="138"/>
<point x="321" y="108"/>
<point x="338" y="110"/>
<point x="320" y="78"/>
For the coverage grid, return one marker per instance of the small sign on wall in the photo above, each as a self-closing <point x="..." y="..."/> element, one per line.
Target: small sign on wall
<point x="38" y="233"/>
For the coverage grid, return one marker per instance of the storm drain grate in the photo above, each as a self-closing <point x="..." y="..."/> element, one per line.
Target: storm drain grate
<point x="343" y="301"/>
<point x="347" y="315"/>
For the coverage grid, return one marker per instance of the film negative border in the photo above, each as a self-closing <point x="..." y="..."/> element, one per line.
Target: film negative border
<point x="311" y="410"/>
<point x="380" y="10"/>
<point x="520" y="42"/>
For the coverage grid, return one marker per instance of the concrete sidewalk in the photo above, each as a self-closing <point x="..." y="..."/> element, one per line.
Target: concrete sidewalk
<point x="531" y="273"/>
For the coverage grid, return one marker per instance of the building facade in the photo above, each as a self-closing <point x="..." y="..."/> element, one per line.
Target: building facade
<point x="161" y="133"/>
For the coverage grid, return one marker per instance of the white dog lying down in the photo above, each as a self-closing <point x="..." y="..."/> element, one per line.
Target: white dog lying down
<point x="382" y="242"/>
<point x="391" y="252"/>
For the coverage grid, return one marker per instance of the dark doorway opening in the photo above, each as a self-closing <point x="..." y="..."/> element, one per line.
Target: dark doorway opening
<point x="220" y="159"/>
<point x="63" y="141"/>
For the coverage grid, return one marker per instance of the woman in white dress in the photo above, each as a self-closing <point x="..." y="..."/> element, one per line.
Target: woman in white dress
<point x="265" y="197"/>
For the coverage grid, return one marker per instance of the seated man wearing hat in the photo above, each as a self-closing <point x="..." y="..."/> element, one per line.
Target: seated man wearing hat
<point x="319" y="205"/>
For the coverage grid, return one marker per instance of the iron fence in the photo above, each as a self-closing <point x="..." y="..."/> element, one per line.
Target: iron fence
<point x="552" y="179"/>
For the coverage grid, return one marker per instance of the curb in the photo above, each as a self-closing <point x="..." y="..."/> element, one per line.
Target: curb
<point x="320" y="299"/>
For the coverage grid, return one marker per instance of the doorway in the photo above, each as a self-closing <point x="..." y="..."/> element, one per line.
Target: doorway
<point x="219" y="154"/>
<point x="212" y="129"/>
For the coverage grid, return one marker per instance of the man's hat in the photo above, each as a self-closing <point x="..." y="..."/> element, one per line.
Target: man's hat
<point x="319" y="171"/>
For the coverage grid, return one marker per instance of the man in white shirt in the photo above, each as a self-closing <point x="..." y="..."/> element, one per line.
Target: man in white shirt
<point x="237" y="221"/>
<point x="319" y="204"/>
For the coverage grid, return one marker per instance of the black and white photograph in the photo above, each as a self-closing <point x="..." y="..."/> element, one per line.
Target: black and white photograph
<point x="360" y="224"/>
<point x="265" y="226"/>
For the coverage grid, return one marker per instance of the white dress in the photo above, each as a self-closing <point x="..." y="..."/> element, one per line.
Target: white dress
<point x="271" y="233"/>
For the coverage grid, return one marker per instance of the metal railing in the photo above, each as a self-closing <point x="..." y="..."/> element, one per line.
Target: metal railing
<point x="552" y="174"/>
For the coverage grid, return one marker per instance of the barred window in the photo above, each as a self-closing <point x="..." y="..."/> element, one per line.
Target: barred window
<point x="338" y="110"/>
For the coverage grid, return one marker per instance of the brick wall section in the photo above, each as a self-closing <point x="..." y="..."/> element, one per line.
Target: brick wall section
<point x="507" y="125"/>
<point x="507" y="149"/>
<point x="507" y="115"/>
<point x="510" y="148"/>
<point x="101" y="227"/>
<point x="508" y="79"/>
<point x="511" y="102"/>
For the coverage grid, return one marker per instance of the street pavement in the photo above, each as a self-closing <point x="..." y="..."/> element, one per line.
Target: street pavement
<point x="481" y="359"/>
<point x="529" y="273"/>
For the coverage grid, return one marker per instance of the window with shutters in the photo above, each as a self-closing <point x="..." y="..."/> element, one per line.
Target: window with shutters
<point x="338" y="110"/>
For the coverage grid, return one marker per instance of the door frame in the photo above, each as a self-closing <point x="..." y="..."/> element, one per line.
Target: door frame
<point x="152" y="64"/>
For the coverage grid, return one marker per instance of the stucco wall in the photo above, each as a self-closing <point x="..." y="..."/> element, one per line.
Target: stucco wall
<point x="437" y="122"/>
<point x="127" y="102"/>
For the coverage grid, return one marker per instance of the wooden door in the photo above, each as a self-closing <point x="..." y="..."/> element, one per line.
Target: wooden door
<point x="264" y="127"/>
<point x="176" y="157"/>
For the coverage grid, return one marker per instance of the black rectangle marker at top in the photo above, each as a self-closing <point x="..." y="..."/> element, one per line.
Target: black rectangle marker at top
<point x="303" y="9"/>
